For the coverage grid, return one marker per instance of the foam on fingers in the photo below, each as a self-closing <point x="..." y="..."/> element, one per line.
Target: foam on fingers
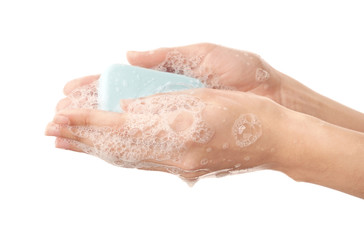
<point x="84" y="96"/>
<point x="67" y="144"/>
<point x="176" y="62"/>
<point x="148" y="131"/>
<point x="87" y="117"/>
<point x="158" y="132"/>
<point x="79" y="82"/>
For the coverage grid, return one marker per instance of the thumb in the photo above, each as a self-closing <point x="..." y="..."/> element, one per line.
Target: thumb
<point x="150" y="59"/>
<point x="147" y="59"/>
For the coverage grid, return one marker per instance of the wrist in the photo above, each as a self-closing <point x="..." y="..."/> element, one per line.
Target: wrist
<point x="301" y="146"/>
<point x="318" y="152"/>
<point x="300" y="98"/>
<point x="289" y="142"/>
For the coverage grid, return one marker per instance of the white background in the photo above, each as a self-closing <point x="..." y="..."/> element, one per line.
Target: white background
<point x="47" y="193"/>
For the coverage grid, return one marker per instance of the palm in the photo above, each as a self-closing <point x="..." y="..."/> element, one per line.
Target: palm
<point x="218" y="67"/>
<point x="183" y="132"/>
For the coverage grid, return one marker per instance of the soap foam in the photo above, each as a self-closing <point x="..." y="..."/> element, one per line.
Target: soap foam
<point x="225" y="146"/>
<point x="261" y="75"/>
<point x="146" y="133"/>
<point x="246" y="130"/>
<point x="176" y="62"/>
<point x="84" y="97"/>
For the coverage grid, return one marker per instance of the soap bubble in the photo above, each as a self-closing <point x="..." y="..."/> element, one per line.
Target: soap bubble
<point x="246" y="129"/>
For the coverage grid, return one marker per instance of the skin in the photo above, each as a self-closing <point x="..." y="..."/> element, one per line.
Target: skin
<point x="222" y="105"/>
<point x="305" y="135"/>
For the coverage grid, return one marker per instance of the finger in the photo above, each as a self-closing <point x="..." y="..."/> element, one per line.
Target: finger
<point x="68" y="123"/>
<point x="150" y="59"/>
<point x="63" y="104"/>
<point x="149" y="104"/>
<point x="66" y="132"/>
<point x="154" y="103"/>
<point x="79" y="82"/>
<point x="147" y="59"/>
<point x="67" y="144"/>
<point x="89" y="117"/>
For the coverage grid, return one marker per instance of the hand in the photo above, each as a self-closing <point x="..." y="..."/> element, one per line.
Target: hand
<point x="191" y="133"/>
<point x="80" y="93"/>
<point x="218" y="67"/>
<point x="291" y="142"/>
<point x="221" y="67"/>
<point x="225" y="68"/>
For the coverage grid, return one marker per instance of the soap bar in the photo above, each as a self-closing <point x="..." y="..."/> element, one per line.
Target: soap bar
<point x="127" y="82"/>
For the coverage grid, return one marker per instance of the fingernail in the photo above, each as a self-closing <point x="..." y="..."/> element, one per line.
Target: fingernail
<point x="61" y="119"/>
<point x="52" y="130"/>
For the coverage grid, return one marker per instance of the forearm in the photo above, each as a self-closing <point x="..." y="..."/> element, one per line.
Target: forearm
<point x="325" y="154"/>
<point x="298" y="97"/>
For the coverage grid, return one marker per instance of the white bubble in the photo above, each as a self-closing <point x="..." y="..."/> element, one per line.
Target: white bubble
<point x="204" y="161"/>
<point x="261" y="75"/>
<point x="246" y="130"/>
<point x="225" y="146"/>
<point x="146" y="134"/>
<point x="84" y="97"/>
<point x="176" y="62"/>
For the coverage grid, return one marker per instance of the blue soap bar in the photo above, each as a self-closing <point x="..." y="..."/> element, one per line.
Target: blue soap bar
<point x="126" y="82"/>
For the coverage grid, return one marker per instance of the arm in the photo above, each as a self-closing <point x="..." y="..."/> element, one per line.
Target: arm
<point x="298" y="97"/>
<point x="323" y="154"/>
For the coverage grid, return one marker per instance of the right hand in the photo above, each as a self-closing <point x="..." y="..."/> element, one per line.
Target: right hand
<point x="219" y="67"/>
